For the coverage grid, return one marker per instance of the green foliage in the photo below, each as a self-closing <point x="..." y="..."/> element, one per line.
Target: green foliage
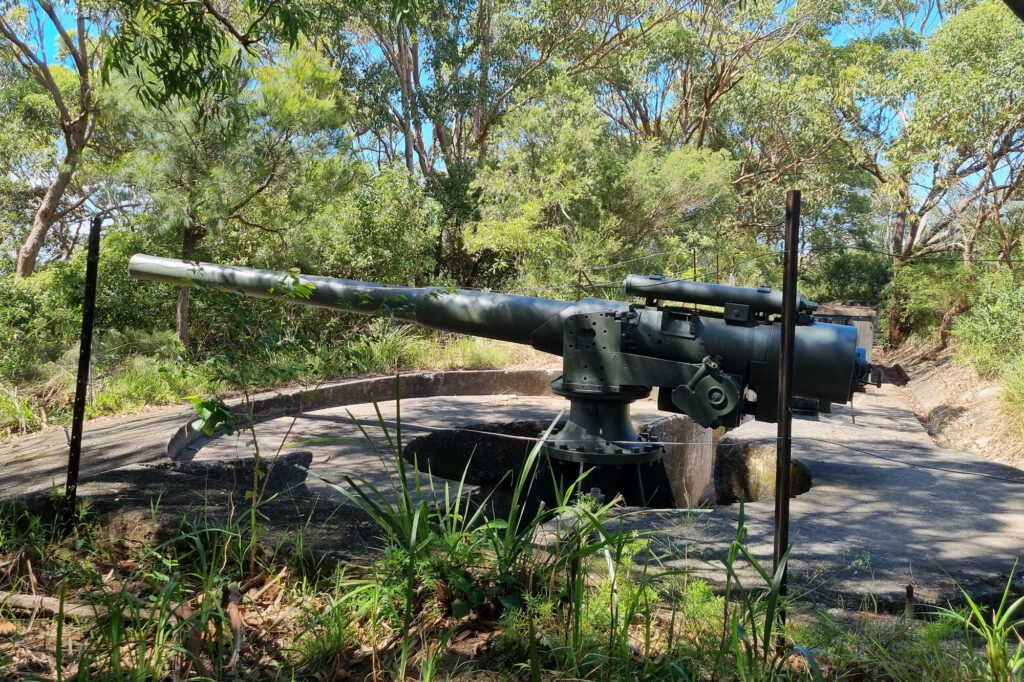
<point x="139" y="381"/>
<point x="331" y="630"/>
<point x="188" y="51"/>
<point x="385" y="230"/>
<point x="543" y="195"/>
<point x="962" y="82"/>
<point x="996" y="629"/>
<point x="18" y="413"/>
<point x="847" y="275"/>
<point x="928" y="289"/>
<point x="385" y="349"/>
<point x="681" y="193"/>
<point x="39" y="319"/>
<point x="990" y="333"/>
<point x="213" y="414"/>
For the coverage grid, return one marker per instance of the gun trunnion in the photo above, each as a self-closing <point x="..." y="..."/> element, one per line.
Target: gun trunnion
<point x="715" y="366"/>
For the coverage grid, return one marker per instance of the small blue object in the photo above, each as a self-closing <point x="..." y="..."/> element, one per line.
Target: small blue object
<point x="862" y="356"/>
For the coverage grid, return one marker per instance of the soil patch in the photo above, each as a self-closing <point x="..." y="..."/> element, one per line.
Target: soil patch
<point x="960" y="410"/>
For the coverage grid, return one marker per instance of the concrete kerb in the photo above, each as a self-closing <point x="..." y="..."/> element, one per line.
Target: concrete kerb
<point x="182" y="445"/>
<point x="689" y="467"/>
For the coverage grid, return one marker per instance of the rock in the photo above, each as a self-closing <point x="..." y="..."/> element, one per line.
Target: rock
<point x="745" y="470"/>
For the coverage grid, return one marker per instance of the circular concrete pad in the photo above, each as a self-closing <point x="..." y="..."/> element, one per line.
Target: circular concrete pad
<point x="340" y="448"/>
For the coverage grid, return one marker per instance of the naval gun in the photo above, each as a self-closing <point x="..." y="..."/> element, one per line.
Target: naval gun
<point x="715" y="365"/>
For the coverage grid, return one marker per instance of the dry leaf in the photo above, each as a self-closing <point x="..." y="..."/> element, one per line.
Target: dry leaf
<point x="7" y="628"/>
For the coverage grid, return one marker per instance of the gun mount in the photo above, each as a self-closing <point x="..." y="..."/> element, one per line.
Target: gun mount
<point x="715" y="366"/>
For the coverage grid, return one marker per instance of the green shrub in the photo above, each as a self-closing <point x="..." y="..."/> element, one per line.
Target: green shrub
<point x="847" y="275"/>
<point x="385" y="230"/>
<point x="927" y="290"/>
<point x="386" y="348"/>
<point x="990" y="333"/>
<point x="39" y="320"/>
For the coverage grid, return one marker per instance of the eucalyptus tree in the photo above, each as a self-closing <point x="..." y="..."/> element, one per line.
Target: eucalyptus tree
<point x="190" y="50"/>
<point x="936" y="113"/>
<point x="562" y="192"/>
<point x="669" y="87"/>
<point x="240" y="166"/>
<point x="434" y="80"/>
<point x="67" y="71"/>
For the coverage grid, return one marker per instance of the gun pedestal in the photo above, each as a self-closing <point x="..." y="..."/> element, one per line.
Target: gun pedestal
<point x="599" y="430"/>
<point x="599" y="437"/>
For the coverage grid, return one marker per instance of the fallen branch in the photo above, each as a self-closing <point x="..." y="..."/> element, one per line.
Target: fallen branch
<point x="37" y="603"/>
<point x="232" y="597"/>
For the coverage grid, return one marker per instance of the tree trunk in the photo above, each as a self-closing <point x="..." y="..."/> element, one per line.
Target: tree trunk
<point x="948" y="319"/>
<point x="181" y="318"/>
<point x="45" y="216"/>
<point x="480" y="125"/>
<point x="407" y="103"/>
<point x="898" y="331"/>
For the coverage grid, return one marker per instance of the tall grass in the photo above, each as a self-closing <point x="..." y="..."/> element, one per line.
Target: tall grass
<point x="142" y="381"/>
<point x="19" y="414"/>
<point x="1012" y="396"/>
<point x="134" y="370"/>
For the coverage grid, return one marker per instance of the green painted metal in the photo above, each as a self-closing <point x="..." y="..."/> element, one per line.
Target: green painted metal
<point x="715" y="366"/>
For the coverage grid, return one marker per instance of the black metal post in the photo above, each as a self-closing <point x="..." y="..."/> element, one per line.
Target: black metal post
<point x="82" y="383"/>
<point x="783" y="453"/>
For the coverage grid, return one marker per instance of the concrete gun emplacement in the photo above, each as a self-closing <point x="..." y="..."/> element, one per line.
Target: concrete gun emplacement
<point x="716" y="366"/>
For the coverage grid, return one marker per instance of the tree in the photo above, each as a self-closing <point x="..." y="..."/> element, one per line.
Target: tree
<point x="382" y="230"/>
<point x="189" y="50"/>
<point x="561" y="193"/>
<point x="669" y="87"/>
<point x="434" y="81"/>
<point x="72" y="91"/>
<point x="234" y="167"/>
<point x="939" y="122"/>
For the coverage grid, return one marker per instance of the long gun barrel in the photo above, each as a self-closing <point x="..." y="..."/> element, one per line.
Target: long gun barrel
<point x="714" y="366"/>
<point x="496" y="316"/>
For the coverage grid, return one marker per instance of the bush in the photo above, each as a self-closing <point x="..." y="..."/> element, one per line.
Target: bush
<point x="385" y="230"/>
<point x="847" y="275"/>
<point x="990" y="333"/>
<point x="927" y="290"/>
<point x="39" y="319"/>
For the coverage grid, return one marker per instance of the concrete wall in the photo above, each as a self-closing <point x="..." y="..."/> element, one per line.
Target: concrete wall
<point x="364" y="390"/>
<point x="689" y="459"/>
